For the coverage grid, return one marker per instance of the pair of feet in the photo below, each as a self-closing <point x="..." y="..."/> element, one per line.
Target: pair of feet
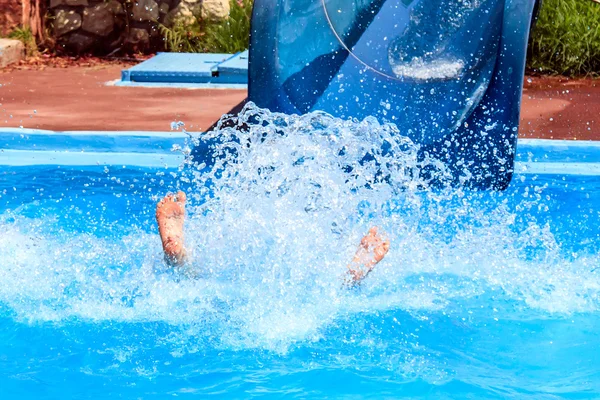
<point x="170" y="215"/>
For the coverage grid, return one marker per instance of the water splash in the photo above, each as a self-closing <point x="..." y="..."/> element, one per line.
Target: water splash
<point x="276" y="212"/>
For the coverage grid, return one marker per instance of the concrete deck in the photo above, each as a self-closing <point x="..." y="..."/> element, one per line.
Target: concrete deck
<point x="77" y="98"/>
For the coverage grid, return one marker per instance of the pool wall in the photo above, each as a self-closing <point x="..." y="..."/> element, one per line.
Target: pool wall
<point x="562" y="157"/>
<point x="22" y="147"/>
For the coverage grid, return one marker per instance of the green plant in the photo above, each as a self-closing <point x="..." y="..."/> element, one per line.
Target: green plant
<point x="26" y="36"/>
<point x="566" y="39"/>
<point x="181" y="38"/>
<point x="232" y="34"/>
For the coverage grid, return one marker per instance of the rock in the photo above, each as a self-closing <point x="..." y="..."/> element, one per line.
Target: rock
<point x="138" y="39"/>
<point x="66" y="21"/>
<point x="11" y="51"/>
<point x="145" y="10"/>
<point x="185" y="13"/>
<point x="164" y="8"/>
<point x="79" y="42"/>
<point x="56" y="3"/>
<point x="116" y="7"/>
<point x="214" y="9"/>
<point x="99" y="19"/>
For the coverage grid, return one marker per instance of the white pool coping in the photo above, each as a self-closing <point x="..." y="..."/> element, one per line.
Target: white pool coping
<point x="21" y="147"/>
<point x="22" y="158"/>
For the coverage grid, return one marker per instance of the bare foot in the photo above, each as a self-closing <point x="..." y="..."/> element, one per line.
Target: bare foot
<point x="373" y="247"/>
<point x="170" y="215"/>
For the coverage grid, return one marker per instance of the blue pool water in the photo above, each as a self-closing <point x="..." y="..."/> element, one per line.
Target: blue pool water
<point x="482" y="295"/>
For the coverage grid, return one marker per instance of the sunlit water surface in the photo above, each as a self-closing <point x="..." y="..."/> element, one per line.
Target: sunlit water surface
<point x="482" y="295"/>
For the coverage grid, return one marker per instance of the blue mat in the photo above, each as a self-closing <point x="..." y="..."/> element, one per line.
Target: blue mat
<point x="190" y="68"/>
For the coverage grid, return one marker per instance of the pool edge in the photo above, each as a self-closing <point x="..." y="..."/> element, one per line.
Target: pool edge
<point x="23" y="146"/>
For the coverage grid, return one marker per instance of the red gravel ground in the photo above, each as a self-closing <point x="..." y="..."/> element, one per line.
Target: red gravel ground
<point x="561" y="108"/>
<point x="76" y="97"/>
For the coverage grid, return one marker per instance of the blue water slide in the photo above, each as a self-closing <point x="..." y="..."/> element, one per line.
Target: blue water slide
<point x="448" y="73"/>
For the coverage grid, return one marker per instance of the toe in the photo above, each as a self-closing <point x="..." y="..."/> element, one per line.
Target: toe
<point x="163" y="207"/>
<point x="160" y="208"/>
<point x="181" y="197"/>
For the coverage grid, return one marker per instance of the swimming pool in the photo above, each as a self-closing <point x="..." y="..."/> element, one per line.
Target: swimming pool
<point x="483" y="295"/>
